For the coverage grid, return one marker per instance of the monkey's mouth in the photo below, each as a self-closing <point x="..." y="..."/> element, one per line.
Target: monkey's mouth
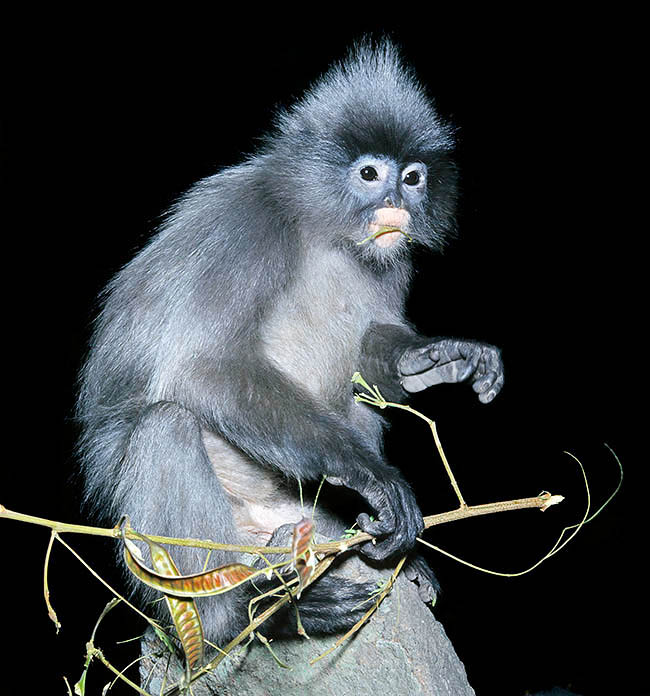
<point x="385" y="236"/>
<point x="388" y="226"/>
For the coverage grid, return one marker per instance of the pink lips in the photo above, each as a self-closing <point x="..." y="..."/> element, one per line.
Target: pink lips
<point x="388" y="217"/>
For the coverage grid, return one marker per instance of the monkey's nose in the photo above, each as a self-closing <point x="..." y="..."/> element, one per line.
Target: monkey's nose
<point x="391" y="201"/>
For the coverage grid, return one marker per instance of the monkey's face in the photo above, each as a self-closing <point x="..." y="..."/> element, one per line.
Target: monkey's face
<point x="387" y="192"/>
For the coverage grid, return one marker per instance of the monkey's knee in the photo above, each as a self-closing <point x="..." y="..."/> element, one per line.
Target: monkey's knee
<point x="169" y="419"/>
<point x="165" y="432"/>
<point x="166" y="475"/>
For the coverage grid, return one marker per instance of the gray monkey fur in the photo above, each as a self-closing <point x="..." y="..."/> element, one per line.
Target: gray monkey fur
<point x="220" y="363"/>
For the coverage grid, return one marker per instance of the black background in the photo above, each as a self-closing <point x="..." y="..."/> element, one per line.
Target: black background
<point x="108" y="119"/>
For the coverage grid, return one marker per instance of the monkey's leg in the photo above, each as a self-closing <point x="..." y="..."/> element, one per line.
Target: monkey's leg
<point x="167" y="487"/>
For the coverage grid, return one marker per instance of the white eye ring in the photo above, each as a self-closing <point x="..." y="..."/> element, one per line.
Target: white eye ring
<point x="369" y="171"/>
<point x="414" y="176"/>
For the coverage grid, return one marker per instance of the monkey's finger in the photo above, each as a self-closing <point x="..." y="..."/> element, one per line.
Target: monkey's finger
<point x="376" y="528"/>
<point x="489" y="393"/>
<point x="490" y="361"/>
<point x="416" y="383"/>
<point x="414" y="361"/>
<point x="378" y="551"/>
<point x="489" y="375"/>
<point x="381" y="550"/>
<point x="485" y="382"/>
<point x="451" y="372"/>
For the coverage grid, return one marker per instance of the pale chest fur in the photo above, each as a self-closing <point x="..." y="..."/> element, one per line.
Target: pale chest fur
<point x="314" y="332"/>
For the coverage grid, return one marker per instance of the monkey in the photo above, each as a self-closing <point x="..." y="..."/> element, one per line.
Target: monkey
<point x="218" y="375"/>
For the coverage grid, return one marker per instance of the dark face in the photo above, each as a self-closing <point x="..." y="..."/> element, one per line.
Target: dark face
<point x="389" y="192"/>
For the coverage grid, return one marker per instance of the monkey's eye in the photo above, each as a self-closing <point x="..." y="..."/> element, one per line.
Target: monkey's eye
<point x="412" y="178"/>
<point x="369" y="174"/>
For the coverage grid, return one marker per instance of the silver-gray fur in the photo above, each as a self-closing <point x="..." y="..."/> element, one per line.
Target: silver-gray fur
<point x="219" y="369"/>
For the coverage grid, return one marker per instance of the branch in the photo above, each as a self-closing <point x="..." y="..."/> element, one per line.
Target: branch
<point x="542" y="502"/>
<point x="115" y="533"/>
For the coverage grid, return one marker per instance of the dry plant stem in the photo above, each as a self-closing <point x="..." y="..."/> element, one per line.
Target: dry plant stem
<point x="465" y="511"/>
<point x="103" y="582"/>
<point x="462" y="512"/>
<point x="46" y="590"/>
<point x="380" y="402"/>
<point x="96" y="652"/>
<point x="538" y="501"/>
<point x="92" y="651"/>
<point x="115" y="533"/>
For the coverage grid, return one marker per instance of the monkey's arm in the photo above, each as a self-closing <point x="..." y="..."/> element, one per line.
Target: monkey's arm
<point x="274" y="421"/>
<point x="399" y="361"/>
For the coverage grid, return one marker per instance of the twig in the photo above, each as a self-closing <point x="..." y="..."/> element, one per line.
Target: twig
<point x="99" y="577"/>
<point x="114" y="532"/>
<point x="374" y="397"/>
<point x="46" y="590"/>
<point x="92" y="652"/>
<point x="542" y="502"/>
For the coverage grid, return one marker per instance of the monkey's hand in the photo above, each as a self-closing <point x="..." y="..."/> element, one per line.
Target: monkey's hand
<point x="449" y="360"/>
<point x="398" y="520"/>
